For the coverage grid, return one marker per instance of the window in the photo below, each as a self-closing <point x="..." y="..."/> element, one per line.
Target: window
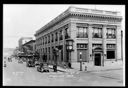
<point x="96" y="45"/>
<point x="66" y="33"/>
<point x="82" y="32"/>
<point x="49" y="50"/>
<point x="110" y="54"/>
<point x="97" y="32"/>
<point x="81" y="46"/>
<point x="56" y="39"/>
<point x="61" y="35"/>
<point x="111" y="46"/>
<point x="52" y="38"/>
<point x="111" y="33"/>
<point x="48" y="38"/>
<point x="45" y="40"/>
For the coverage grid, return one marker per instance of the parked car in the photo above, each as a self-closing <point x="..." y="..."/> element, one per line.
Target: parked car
<point x="37" y="63"/>
<point x="43" y="67"/>
<point x="9" y="59"/>
<point x="5" y="65"/>
<point x="20" y="61"/>
<point x="30" y="63"/>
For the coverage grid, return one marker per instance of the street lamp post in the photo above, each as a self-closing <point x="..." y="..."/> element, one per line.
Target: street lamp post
<point x="122" y="45"/>
<point x="69" y="48"/>
<point x="55" y="51"/>
<point x="80" y="61"/>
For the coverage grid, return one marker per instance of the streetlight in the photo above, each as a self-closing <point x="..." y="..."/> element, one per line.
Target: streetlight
<point x="122" y="45"/>
<point x="69" y="48"/>
<point x="80" y="61"/>
<point x="55" y="52"/>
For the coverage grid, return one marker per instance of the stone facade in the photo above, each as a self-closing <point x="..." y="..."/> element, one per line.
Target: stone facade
<point x="102" y="40"/>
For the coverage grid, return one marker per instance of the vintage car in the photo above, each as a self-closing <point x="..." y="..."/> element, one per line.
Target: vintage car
<point x="43" y="67"/>
<point x="20" y="61"/>
<point x="5" y="65"/>
<point x="37" y="63"/>
<point x="30" y="63"/>
<point x="9" y="59"/>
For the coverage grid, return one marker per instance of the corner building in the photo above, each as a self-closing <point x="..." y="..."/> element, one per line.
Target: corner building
<point x="96" y="33"/>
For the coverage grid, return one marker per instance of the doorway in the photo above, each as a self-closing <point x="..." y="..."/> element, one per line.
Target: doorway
<point x="97" y="58"/>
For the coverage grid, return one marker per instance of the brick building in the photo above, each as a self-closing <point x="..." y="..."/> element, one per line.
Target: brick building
<point x="22" y="41"/>
<point x="96" y="33"/>
<point x="29" y="46"/>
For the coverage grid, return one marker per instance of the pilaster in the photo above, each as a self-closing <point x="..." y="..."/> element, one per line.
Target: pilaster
<point x="118" y="42"/>
<point x="90" y="42"/>
<point x="104" y="44"/>
<point x="72" y="30"/>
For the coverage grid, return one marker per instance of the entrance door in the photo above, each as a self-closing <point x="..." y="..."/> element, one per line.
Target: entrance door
<point x="97" y="59"/>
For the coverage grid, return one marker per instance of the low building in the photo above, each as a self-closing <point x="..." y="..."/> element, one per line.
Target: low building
<point x="22" y="41"/>
<point x="96" y="35"/>
<point x="29" y="46"/>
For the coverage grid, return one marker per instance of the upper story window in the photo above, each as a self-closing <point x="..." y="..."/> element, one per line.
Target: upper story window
<point x="67" y="33"/>
<point x="56" y="38"/>
<point x="61" y="35"/>
<point x="82" y="32"/>
<point x="52" y="39"/>
<point x="97" y="32"/>
<point x="111" y="33"/>
<point x="45" y="40"/>
<point x="49" y="50"/>
<point x="48" y="38"/>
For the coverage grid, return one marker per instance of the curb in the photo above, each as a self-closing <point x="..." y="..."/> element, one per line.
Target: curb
<point x="57" y="69"/>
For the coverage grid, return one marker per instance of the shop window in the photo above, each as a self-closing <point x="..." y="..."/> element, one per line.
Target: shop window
<point x="110" y="54"/>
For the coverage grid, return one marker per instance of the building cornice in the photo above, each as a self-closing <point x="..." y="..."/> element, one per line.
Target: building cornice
<point x="73" y="11"/>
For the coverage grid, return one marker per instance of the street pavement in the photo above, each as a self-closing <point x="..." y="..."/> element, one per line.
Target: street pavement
<point x="17" y="74"/>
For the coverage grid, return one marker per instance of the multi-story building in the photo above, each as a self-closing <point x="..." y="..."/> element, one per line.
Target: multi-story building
<point x="23" y="40"/>
<point x="96" y="34"/>
<point x="29" y="46"/>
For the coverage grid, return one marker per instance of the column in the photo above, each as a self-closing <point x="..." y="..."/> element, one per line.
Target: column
<point x="118" y="42"/>
<point x="104" y="44"/>
<point x="73" y="30"/>
<point x="64" y="48"/>
<point x="90" y="42"/>
<point x="51" y="48"/>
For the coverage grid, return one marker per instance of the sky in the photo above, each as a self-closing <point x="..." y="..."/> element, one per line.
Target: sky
<point x="23" y="20"/>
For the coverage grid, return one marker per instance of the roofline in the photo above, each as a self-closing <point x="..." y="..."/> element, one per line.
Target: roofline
<point x="70" y="11"/>
<point x="28" y="42"/>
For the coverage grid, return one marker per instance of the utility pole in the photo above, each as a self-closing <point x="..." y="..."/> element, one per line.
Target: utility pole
<point x="80" y="61"/>
<point x="122" y="45"/>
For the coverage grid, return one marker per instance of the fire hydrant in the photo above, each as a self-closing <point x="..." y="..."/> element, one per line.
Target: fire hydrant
<point x="85" y="68"/>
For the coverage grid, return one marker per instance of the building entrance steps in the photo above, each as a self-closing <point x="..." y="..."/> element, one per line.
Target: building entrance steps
<point x="108" y="65"/>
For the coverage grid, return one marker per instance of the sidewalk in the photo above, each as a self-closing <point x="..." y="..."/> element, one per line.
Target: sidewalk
<point x="108" y="65"/>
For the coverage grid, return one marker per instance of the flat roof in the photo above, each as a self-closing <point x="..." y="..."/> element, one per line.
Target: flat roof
<point x="83" y="11"/>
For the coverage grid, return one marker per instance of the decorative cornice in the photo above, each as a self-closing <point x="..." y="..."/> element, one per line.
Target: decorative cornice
<point x="73" y="11"/>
